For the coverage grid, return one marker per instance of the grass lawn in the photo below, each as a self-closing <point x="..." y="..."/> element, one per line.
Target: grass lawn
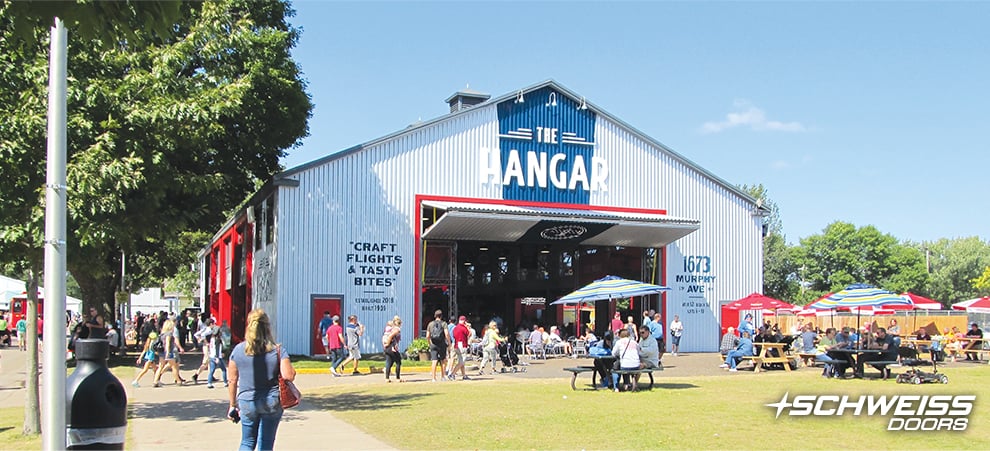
<point x="697" y="413"/>
<point x="11" y="425"/>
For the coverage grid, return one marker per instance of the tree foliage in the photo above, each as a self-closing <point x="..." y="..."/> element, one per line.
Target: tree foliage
<point x="167" y="132"/>
<point x="982" y="284"/>
<point x="955" y="263"/>
<point x="779" y="270"/>
<point x="844" y="254"/>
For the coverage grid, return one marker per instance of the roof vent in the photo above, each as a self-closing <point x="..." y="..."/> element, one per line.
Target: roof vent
<point x="466" y="98"/>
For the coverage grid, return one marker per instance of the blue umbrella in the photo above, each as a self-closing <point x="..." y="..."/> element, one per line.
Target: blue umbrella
<point x="860" y="295"/>
<point x="610" y="287"/>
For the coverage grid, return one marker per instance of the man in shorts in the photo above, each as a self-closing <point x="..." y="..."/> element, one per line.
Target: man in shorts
<point x="353" y="333"/>
<point x="439" y="338"/>
<point x="461" y="335"/>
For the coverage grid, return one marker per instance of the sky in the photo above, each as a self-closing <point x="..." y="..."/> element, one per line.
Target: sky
<point x="868" y="113"/>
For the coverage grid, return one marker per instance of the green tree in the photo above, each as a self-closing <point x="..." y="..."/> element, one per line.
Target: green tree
<point x="779" y="270"/>
<point x="166" y="134"/>
<point x="982" y="284"/>
<point x="844" y="254"/>
<point x="955" y="263"/>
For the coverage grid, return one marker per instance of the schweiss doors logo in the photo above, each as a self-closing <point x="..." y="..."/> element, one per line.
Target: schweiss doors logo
<point x="906" y="412"/>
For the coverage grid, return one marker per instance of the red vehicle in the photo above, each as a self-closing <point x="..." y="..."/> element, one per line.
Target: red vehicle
<point x="18" y="309"/>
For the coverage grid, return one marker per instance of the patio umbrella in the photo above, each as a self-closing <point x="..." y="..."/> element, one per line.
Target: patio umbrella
<point x="757" y="301"/>
<point x="921" y="303"/>
<point x="980" y="305"/>
<point x="860" y="295"/>
<point x="610" y="287"/>
<point x="607" y="288"/>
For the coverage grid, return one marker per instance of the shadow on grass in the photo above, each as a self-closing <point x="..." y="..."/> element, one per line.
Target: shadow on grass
<point x="2" y="430"/>
<point x="359" y="401"/>
<point x="672" y="386"/>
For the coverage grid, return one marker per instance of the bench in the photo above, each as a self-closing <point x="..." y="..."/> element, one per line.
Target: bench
<point x="808" y="359"/>
<point x="578" y="370"/>
<point x="648" y="371"/>
<point x="759" y="360"/>
<point x="881" y="366"/>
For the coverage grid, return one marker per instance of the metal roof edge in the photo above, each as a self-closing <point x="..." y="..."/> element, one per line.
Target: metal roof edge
<point x="540" y="85"/>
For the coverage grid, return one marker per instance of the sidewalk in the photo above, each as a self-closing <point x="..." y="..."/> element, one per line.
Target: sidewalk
<point x="194" y="417"/>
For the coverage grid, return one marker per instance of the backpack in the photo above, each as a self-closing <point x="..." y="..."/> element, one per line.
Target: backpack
<point x="225" y="341"/>
<point x="436" y="330"/>
<point x="157" y="345"/>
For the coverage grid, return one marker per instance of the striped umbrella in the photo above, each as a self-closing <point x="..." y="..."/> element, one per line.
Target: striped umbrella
<point x="921" y="303"/>
<point x="860" y="295"/>
<point x="610" y="287"/>
<point x="981" y="305"/>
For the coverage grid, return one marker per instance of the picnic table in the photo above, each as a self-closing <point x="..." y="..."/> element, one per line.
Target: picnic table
<point x="974" y="345"/>
<point x="857" y="355"/>
<point x="764" y="355"/>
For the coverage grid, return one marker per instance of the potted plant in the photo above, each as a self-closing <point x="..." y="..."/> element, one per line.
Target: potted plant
<point x="419" y="348"/>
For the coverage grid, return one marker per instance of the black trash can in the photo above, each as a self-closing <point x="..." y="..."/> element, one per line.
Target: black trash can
<point x="95" y="401"/>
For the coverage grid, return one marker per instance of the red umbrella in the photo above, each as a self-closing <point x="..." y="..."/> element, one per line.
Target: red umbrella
<point x="757" y="301"/>
<point x="981" y="305"/>
<point x="920" y="303"/>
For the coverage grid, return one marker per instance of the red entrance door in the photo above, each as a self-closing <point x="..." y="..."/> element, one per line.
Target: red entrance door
<point x="320" y="305"/>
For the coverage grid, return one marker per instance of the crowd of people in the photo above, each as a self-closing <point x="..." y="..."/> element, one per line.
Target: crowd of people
<point x="828" y="345"/>
<point x="164" y="337"/>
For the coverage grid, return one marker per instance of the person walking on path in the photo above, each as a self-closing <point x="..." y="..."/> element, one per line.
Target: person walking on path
<point x="150" y="358"/>
<point x="170" y="358"/>
<point x="321" y="332"/>
<point x="461" y="334"/>
<point x="676" y="330"/>
<point x="21" y="334"/>
<point x="353" y="332"/>
<point x="656" y="331"/>
<point x="335" y="344"/>
<point x="489" y="347"/>
<point x="253" y="393"/>
<point x="436" y="334"/>
<point x="390" y="342"/>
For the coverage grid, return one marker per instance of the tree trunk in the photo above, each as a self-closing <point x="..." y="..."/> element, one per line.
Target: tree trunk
<point x="32" y="409"/>
<point x="97" y="292"/>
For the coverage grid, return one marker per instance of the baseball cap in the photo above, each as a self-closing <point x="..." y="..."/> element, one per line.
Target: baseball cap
<point x="462" y="318"/>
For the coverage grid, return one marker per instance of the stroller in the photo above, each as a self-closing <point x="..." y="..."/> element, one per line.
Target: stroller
<point x="509" y="358"/>
<point x="909" y="357"/>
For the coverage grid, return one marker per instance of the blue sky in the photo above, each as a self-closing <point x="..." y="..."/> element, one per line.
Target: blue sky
<point x="874" y="113"/>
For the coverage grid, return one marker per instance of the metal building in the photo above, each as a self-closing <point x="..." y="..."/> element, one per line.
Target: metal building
<point x="491" y="211"/>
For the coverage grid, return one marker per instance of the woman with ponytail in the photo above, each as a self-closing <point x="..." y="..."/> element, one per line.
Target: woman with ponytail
<point x="254" y="383"/>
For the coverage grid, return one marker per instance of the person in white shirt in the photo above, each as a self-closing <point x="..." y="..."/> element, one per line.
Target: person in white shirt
<point x="676" y="330"/>
<point x="627" y="351"/>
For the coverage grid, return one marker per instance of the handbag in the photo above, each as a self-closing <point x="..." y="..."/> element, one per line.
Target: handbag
<point x="288" y="394"/>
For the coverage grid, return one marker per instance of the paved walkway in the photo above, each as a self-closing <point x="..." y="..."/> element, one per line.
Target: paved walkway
<point x="193" y="416"/>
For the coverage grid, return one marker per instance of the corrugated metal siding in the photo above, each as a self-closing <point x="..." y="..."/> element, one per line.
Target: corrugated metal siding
<point x="643" y="176"/>
<point x="369" y="196"/>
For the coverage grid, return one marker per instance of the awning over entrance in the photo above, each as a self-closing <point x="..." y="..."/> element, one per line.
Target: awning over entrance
<point x="508" y="223"/>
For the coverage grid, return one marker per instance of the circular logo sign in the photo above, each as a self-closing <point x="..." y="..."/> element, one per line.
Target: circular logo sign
<point x="564" y="232"/>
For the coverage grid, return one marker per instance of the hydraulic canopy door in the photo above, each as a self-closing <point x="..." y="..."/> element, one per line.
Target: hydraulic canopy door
<point x="596" y="226"/>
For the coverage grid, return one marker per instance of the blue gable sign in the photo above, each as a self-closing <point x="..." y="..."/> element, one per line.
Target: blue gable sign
<point x="546" y="150"/>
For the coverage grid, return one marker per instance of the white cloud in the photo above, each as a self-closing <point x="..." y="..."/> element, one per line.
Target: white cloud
<point x="748" y="115"/>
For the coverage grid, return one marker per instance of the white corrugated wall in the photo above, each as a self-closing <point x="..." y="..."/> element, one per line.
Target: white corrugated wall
<point x="369" y="196"/>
